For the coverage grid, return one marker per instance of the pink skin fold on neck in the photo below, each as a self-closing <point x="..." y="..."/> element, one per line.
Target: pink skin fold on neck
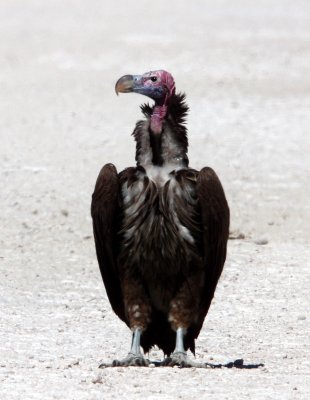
<point x="160" y="111"/>
<point x="157" y="118"/>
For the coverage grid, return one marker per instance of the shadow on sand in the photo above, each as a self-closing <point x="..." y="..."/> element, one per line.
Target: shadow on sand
<point x="238" y="363"/>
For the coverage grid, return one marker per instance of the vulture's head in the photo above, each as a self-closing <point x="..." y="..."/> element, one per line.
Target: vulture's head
<point x="158" y="85"/>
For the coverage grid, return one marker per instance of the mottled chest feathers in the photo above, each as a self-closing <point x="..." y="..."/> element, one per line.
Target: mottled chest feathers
<point x="159" y="207"/>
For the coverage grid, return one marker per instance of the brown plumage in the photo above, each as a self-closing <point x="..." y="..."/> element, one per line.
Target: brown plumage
<point x="161" y="231"/>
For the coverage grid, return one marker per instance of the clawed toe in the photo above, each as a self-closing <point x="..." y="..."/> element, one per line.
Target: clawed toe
<point x="180" y="360"/>
<point x="132" y="360"/>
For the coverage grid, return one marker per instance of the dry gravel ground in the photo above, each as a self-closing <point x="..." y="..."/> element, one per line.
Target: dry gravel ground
<point x="245" y="69"/>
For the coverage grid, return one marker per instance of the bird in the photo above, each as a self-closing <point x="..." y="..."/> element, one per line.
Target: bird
<point x="160" y="230"/>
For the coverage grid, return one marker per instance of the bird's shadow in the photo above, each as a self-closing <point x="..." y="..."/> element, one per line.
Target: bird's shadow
<point x="238" y="363"/>
<point x="186" y="363"/>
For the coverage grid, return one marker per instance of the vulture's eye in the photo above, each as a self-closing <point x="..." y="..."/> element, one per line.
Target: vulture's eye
<point x="154" y="78"/>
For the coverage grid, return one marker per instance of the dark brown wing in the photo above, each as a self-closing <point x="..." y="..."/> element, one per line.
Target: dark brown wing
<point x="215" y="222"/>
<point x="105" y="213"/>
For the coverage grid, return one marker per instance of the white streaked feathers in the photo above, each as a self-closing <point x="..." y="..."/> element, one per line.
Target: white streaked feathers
<point x="134" y="196"/>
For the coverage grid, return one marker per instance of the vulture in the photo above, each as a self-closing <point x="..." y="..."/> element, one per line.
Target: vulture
<point x="160" y="230"/>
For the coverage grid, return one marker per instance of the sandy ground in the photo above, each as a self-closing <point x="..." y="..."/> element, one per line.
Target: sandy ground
<point x="245" y="68"/>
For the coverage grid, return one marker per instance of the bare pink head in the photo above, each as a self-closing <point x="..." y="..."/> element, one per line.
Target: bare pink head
<point x="158" y="85"/>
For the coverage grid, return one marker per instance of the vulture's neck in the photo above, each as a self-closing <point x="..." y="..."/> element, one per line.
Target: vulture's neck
<point x="161" y="138"/>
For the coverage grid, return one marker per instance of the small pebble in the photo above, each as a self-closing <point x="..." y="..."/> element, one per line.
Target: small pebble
<point x="98" y="379"/>
<point x="261" y="241"/>
<point x="301" y="318"/>
<point x="151" y="365"/>
<point x="65" y="212"/>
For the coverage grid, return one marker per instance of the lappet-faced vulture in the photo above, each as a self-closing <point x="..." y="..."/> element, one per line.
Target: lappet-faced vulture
<point x="160" y="229"/>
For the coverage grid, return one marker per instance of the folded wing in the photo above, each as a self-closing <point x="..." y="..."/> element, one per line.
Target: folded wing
<point x="105" y="211"/>
<point x="215" y="225"/>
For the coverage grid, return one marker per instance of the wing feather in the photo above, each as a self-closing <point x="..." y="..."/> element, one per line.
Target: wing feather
<point x="215" y="223"/>
<point x="105" y="210"/>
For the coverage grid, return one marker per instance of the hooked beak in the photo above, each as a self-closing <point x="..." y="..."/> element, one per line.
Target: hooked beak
<point x="128" y="83"/>
<point x="136" y="84"/>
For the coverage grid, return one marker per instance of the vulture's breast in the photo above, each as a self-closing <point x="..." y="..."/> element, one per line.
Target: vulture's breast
<point x="160" y="229"/>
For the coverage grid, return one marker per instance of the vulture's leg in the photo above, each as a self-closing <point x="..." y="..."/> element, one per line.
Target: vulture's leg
<point x="134" y="357"/>
<point x="179" y="346"/>
<point x="138" y="311"/>
<point x="182" y="314"/>
<point x="179" y="357"/>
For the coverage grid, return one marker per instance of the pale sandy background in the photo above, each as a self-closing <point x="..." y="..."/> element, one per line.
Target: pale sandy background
<point x="245" y="68"/>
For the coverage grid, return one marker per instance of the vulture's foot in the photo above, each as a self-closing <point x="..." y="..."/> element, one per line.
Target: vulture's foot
<point x="179" y="359"/>
<point x="132" y="360"/>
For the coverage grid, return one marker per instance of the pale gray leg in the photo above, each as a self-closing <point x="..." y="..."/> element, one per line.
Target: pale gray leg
<point x="179" y="357"/>
<point x="179" y="346"/>
<point x="135" y="357"/>
<point x="135" y="344"/>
